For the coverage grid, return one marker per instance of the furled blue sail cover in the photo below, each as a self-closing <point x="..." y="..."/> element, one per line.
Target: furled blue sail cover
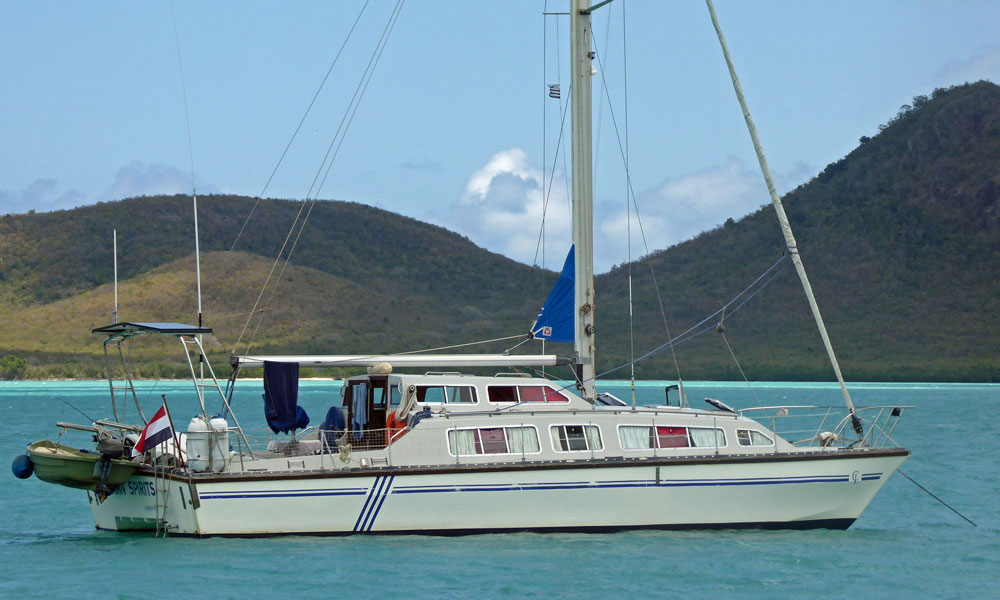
<point x="281" y="397"/>
<point x="555" y="320"/>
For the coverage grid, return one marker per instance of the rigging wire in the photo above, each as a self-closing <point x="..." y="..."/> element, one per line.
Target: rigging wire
<point x="327" y="163"/>
<point x="628" y="211"/>
<point x="721" y="328"/>
<point x="453" y="346"/>
<point x="562" y="140"/>
<point x="545" y="103"/>
<point x="929" y="493"/>
<point x="560" y="146"/>
<point x="648" y="255"/>
<point x="187" y="116"/>
<point x="600" y="105"/>
<point x="732" y="307"/>
<point x="296" y="132"/>
<point x="392" y="24"/>
<point x="552" y="172"/>
<point x="194" y="192"/>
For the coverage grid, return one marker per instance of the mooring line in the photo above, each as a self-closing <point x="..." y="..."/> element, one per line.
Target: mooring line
<point x="929" y="493"/>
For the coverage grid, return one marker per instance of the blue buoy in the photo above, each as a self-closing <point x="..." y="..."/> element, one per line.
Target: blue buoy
<point x="22" y="466"/>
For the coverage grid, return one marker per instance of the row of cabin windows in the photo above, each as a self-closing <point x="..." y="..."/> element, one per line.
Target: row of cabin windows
<point x="580" y="438"/>
<point x="642" y="437"/>
<point x="466" y="394"/>
<point x="522" y="440"/>
<point x="493" y="440"/>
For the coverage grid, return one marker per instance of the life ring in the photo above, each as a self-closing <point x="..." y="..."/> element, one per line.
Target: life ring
<point x="394" y="428"/>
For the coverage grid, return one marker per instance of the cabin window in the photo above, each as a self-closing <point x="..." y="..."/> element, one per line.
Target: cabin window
<point x="575" y="438"/>
<point x="705" y="437"/>
<point x="642" y="437"/>
<point x="378" y="395"/>
<point x="671" y="437"/>
<point x="446" y="394"/>
<point x="525" y="393"/>
<point x="461" y="394"/>
<point x="540" y="393"/>
<point x="493" y="440"/>
<point x="502" y="393"/>
<point x="749" y="437"/>
<point x="394" y="396"/>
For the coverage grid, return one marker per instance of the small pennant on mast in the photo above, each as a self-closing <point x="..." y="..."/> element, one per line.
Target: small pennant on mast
<point x="554" y="90"/>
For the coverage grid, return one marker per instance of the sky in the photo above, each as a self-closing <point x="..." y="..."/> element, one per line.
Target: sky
<point x="455" y="126"/>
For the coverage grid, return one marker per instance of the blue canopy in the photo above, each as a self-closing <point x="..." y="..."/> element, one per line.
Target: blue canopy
<point x="555" y="320"/>
<point x="127" y="329"/>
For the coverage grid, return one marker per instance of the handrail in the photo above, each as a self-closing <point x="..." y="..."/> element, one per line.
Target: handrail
<point x="742" y="410"/>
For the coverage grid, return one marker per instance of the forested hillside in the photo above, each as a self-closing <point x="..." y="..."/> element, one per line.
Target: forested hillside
<point x="901" y="239"/>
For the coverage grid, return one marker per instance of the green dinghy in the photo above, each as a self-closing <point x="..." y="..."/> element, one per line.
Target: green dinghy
<point x="75" y="468"/>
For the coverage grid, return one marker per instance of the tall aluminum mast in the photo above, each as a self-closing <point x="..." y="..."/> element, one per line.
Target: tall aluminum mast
<point x="581" y="58"/>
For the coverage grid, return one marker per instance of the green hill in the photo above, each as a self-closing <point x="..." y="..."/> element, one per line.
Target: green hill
<point x="901" y="239"/>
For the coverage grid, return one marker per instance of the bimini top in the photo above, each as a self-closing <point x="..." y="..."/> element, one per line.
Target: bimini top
<point x="130" y="329"/>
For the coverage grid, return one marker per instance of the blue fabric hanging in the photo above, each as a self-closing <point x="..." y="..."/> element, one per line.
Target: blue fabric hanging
<point x="333" y="425"/>
<point x="555" y="320"/>
<point x="281" y="396"/>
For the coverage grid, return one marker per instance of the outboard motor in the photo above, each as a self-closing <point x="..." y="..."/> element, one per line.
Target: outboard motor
<point x="110" y="448"/>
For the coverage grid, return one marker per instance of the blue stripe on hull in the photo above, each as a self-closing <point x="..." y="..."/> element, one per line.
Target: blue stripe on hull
<point x="383" y="486"/>
<point x="368" y="501"/>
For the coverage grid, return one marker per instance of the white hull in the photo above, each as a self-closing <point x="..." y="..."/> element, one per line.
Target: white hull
<point x="792" y="491"/>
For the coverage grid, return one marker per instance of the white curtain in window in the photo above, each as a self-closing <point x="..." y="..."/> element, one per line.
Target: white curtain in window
<point x="593" y="437"/>
<point x="463" y="441"/>
<point x="634" y="437"/>
<point x="707" y="438"/>
<point x="522" y="440"/>
<point x="558" y="433"/>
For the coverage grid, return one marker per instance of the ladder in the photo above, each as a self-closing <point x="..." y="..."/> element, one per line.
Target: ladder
<point x="161" y="493"/>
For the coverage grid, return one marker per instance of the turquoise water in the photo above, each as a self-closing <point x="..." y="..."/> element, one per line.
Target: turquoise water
<point x="905" y="544"/>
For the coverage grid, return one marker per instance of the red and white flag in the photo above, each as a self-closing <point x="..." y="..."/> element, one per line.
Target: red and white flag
<point x="157" y="431"/>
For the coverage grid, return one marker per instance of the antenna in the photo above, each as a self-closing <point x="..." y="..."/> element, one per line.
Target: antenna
<point x="194" y="192"/>
<point x="197" y="253"/>
<point x="114" y="237"/>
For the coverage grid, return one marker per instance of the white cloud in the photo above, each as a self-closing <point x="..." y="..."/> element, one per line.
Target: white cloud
<point x="140" y="179"/>
<point x="984" y="65"/>
<point x="136" y="179"/>
<point x="40" y="195"/>
<point x="501" y="209"/>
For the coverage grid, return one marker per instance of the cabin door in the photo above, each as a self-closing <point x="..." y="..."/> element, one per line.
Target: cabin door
<point x="378" y="398"/>
<point x="366" y="404"/>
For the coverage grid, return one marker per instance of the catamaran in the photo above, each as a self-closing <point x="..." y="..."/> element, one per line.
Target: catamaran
<point x="420" y="445"/>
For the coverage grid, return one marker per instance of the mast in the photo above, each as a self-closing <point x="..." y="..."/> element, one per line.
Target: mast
<point x="581" y="58"/>
<point x="786" y="227"/>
